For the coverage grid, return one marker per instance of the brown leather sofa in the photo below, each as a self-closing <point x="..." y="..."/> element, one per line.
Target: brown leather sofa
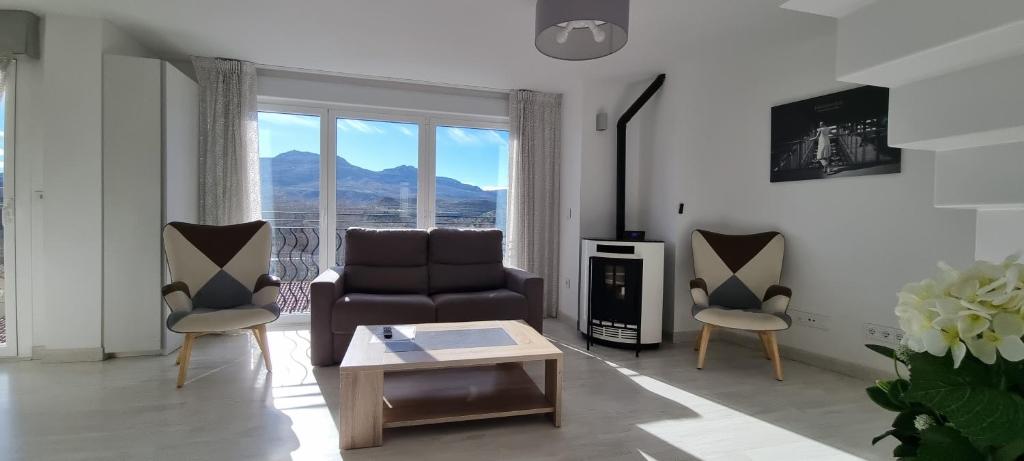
<point x="395" y="277"/>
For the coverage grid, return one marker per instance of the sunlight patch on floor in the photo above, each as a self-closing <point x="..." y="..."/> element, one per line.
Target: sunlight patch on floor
<point x="737" y="432"/>
<point x="296" y="394"/>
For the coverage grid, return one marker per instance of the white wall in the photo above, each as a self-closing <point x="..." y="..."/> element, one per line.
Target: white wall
<point x="851" y="242"/>
<point x="371" y="93"/>
<point x="1000" y="233"/>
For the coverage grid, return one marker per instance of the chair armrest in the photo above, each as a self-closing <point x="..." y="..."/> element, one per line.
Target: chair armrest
<point x="776" y="299"/>
<point x="532" y="287"/>
<point x="699" y="292"/>
<point x="177" y="296"/>
<point x="266" y="291"/>
<point x="325" y="290"/>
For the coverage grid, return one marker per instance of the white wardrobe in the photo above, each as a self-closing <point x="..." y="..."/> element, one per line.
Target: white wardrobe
<point x="150" y="178"/>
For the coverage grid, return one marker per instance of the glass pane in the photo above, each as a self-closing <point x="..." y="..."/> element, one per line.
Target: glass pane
<point x="472" y="178"/>
<point x="377" y="175"/>
<point x="290" y="192"/>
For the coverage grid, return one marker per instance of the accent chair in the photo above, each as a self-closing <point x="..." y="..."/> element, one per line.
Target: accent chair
<point x="219" y="282"/>
<point x="737" y="287"/>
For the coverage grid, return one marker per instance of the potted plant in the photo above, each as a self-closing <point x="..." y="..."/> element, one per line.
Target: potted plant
<point x="963" y="398"/>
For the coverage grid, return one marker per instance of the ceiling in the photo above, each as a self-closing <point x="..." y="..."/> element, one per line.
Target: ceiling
<point x="468" y="42"/>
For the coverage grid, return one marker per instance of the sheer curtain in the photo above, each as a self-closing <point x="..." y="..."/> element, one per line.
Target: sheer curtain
<point x="4" y="62"/>
<point x="229" y="180"/>
<point x="535" y="150"/>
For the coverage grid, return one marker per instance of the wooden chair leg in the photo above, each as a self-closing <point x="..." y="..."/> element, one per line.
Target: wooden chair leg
<point x="184" y="356"/>
<point x="696" y="344"/>
<point x="181" y="352"/>
<point x="776" y="359"/>
<point x="260" y="333"/>
<point x="705" y="335"/>
<point x="764" y="344"/>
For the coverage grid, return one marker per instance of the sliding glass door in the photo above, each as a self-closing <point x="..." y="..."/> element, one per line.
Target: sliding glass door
<point x="8" y="312"/>
<point x="387" y="169"/>
<point x="290" y="183"/>
<point x="377" y="175"/>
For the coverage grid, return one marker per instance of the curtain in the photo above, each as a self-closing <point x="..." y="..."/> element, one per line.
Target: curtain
<point x="4" y="62"/>
<point x="229" y="181"/>
<point x="535" y="150"/>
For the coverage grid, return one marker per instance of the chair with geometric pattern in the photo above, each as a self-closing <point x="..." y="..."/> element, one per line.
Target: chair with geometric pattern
<point x="219" y="282"/>
<point x="737" y="287"/>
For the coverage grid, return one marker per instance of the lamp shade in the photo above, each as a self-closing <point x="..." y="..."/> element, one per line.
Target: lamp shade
<point x="19" y="33"/>
<point x="602" y="28"/>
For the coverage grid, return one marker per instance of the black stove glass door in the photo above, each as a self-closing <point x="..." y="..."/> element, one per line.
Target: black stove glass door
<point x="615" y="289"/>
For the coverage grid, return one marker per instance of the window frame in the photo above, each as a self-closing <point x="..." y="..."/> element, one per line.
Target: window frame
<point x="427" y="122"/>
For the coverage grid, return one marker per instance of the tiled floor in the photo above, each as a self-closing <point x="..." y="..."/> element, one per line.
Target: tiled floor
<point x="617" y="407"/>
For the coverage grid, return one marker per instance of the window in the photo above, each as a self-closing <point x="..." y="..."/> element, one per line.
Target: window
<point x="471" y="187"/>
<point x="391" y="169"/>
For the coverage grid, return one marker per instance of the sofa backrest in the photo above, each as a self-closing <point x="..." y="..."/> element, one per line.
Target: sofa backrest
<point x="465" y="260"/>
<point x="387" y="261"/>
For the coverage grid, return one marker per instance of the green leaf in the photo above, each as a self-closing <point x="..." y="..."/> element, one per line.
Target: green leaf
<point x="897" y="390"/>
<point x="969" y="397"/>
<point x="880" y="396"/>
<point x="905" y="450"/>
<point x="883" y="350"/>
<point x="943" y="443"/>
<point x="879" y="437"/>
<point x="1010" y="452"/>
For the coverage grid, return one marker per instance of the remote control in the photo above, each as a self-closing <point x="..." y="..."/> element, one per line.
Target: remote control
<point x="387" y="333"/>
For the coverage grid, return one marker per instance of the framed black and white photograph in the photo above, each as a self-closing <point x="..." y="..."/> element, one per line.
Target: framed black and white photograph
<point x="836" y="135"/>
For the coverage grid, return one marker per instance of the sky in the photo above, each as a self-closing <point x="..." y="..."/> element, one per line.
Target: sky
<point x="470" y="155"/>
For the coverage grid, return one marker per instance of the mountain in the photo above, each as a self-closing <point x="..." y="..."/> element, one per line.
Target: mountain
<point x="295" y="177"/>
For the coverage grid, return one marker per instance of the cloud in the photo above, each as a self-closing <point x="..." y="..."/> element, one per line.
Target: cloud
<point x="461" y="136"/>
<point x="474" y="136"/>
<point x="493" y="188"/>
<point x="406" y="131"/>
<point x="345" y="124"/>
<point x="277" y="118"/>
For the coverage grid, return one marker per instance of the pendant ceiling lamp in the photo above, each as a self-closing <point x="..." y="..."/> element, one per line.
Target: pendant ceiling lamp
<point x="578" y="30"/>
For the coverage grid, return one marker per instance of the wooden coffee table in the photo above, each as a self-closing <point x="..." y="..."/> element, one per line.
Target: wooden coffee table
<point x="449" y="372"/>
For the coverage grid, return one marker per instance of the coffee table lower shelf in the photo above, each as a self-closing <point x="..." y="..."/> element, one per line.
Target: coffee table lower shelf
<point x="413" y="398"/>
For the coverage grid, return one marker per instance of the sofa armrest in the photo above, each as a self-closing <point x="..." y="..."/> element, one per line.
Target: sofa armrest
<point x="699" y="292"/>
<point x="532" y="287"/>
<point x="266" y="291"/>
<point x="325" y="290"/>
<point x="776" y="299"/>
<point x="177" y="296"/>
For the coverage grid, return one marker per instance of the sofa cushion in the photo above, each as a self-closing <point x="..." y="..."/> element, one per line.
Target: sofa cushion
<point x="465" y="260"/>
<point x="385" y="247"/>
<point x="354" y="309"/>
<point x="386" y="261"/>
<point x="386" y="280"/>
<point x="498" y="304"/>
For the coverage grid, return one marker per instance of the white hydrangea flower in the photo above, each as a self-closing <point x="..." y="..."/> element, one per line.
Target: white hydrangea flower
<point x="980" y="309"/>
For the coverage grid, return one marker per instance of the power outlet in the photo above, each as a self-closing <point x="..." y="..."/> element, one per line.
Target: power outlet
<point x="883" y="334"/>
<point x="810" y="319"/>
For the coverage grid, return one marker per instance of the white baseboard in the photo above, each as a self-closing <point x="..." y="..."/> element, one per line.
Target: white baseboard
<point x="795" y="354"/>
<point x="88" y="354"/>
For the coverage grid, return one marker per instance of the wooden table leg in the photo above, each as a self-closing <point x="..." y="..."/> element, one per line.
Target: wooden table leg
<point x="362" y="408"/>
<point x="553" y="388"/>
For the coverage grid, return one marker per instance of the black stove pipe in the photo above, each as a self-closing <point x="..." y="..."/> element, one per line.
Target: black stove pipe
<point x="620" y="154"/>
